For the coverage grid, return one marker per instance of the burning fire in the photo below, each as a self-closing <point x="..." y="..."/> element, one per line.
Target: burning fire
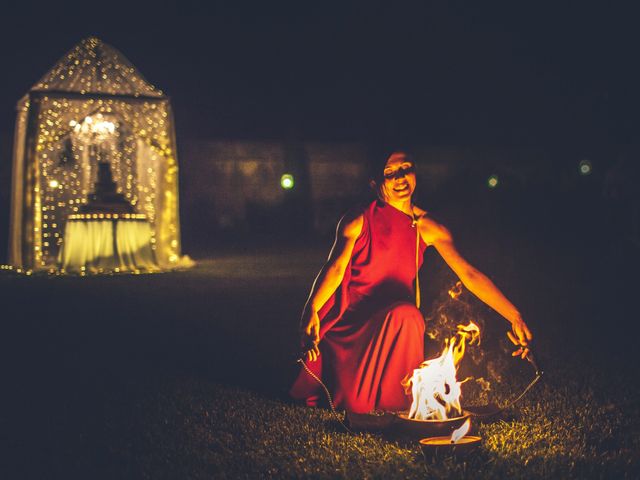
<point x="456" y="290"/>
<point x="459" y="433"/>
<point x="433" y="385"/>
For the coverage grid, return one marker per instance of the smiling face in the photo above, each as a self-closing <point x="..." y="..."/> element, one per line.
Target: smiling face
<point x="399" y="180"/>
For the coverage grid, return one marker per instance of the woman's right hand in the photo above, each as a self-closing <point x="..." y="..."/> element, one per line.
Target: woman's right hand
<point x="310" y="335"/>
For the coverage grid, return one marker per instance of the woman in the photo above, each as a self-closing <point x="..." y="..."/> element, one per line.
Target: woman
<point x="361" y="328"/>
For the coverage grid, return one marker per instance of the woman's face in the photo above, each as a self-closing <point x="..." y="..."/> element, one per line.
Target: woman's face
<point x="399" y="178"/>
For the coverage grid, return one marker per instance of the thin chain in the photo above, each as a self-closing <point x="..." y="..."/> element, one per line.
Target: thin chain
<point x="513" y="402"/>
<point x="326" y="391"/>
<point x="414" y="224"/>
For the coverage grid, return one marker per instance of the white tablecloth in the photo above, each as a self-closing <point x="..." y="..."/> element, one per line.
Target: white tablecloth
<point x="101" y="245"/>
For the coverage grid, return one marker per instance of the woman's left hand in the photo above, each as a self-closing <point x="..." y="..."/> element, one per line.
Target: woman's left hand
<point x="520" y="336"/>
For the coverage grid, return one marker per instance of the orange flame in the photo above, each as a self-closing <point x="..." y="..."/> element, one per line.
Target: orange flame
<point x="456" y="290"/>
<point x="433" y="386"/>
<point x="458" y="433"/>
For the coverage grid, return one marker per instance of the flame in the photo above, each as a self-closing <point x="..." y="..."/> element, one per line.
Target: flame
<point x="458" y="433"/>
<point x="456" y="290"/>
<point x="433" y="385"/>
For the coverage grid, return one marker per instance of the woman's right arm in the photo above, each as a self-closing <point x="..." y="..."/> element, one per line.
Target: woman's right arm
<point x="327" y="281"/>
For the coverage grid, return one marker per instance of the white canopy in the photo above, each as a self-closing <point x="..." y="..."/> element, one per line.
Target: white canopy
<point x="57" y="146"/>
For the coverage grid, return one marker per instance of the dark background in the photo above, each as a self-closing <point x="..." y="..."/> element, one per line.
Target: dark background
<point x="559" y="77"/>
<point x="450" y="72"/>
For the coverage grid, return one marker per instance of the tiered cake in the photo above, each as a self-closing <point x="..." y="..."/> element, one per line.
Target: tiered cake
<point x="105" y="197"/>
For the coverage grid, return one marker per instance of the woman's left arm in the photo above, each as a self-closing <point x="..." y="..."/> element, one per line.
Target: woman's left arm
<point x="476" y="282"/>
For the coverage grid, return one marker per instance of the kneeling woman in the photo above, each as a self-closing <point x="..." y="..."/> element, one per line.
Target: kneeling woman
<point x="361" y="327"/>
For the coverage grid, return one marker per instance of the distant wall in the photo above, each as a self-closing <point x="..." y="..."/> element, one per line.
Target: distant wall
<point x="226" y="184"/>
<point x="235" y="185"/>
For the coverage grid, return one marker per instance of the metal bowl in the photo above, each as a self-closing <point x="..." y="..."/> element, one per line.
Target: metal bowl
<point x="428" y="428"/>
<point x="442" y="446"/>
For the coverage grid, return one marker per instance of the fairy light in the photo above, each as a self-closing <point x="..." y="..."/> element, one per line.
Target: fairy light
<point x="135" y="136"/>
<point x="107" y="216"/>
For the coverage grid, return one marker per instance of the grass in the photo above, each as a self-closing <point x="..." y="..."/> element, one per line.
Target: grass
<point x="187" y="427"/>
<point x="192" y="428"/>
<point x="182" y="376"/>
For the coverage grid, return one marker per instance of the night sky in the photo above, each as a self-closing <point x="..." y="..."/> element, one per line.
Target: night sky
<point x="515" y="73"/>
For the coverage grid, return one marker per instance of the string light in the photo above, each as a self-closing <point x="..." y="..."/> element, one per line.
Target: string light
<point x="55" y="271"/>
<point x="108" y="216"/>
<point x="492" y="181"/>
<point x="130" y="128"/>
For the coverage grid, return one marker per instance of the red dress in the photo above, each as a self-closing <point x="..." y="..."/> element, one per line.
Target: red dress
<point x="372" y="334"/>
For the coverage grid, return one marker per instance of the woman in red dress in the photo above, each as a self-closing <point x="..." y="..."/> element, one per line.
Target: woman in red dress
<point x="361" y="327"/>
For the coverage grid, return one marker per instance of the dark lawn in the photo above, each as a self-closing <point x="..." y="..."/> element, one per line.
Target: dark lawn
<point x="182" y="375"/>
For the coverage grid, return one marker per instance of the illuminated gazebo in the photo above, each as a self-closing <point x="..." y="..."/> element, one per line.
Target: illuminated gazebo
<point x="95" y="174"/>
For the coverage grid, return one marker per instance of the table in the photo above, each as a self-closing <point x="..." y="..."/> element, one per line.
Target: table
<point x="107" y="242"/>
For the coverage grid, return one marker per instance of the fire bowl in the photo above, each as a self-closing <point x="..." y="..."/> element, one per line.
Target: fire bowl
<point x="371" y="422"/>
<point x="442" y="446"/>
<point x="428" y="428"/>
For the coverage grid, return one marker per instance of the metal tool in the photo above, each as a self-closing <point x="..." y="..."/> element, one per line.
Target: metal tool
<point x="336" y="415"/>
<point x="489" y="410"/>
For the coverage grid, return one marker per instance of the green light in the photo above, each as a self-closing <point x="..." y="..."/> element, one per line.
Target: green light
<point x="585" y="167"/>
<point x="286" y="181"/>
<point x="492" y="181"/>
